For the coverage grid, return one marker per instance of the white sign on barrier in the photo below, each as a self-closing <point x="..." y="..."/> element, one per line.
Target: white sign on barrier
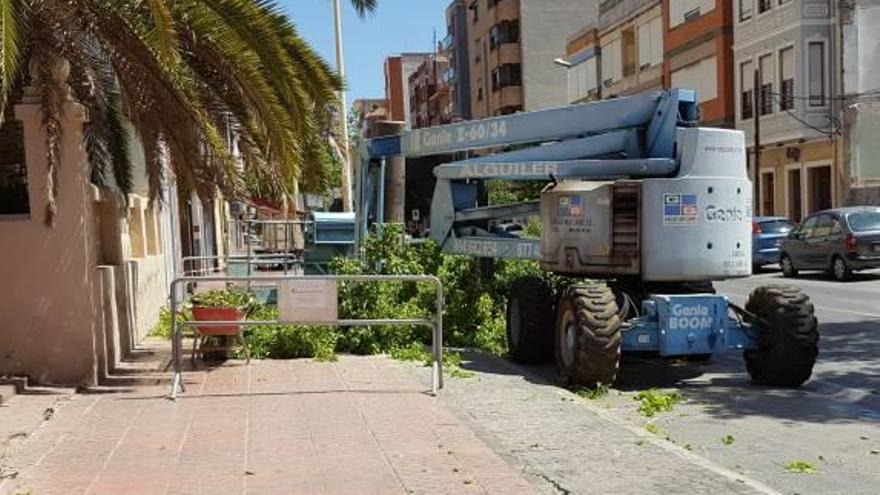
<point x="307" y="301"/>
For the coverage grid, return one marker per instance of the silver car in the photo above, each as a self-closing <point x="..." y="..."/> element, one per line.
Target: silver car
<point x="838" y="241"/>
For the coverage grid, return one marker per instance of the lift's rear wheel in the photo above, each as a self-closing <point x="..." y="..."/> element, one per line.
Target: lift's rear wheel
<point x="530" y="321"/>
<point x="588" y="335"/>
<point x="789" y="338"/>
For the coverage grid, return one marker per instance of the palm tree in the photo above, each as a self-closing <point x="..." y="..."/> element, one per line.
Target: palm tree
<point x="182" y="73"/>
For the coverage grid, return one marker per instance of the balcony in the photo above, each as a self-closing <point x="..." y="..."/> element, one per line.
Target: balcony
<point x="506" y="10"/>
<point x="510" y="96"/>
<point x="508" y="53"/>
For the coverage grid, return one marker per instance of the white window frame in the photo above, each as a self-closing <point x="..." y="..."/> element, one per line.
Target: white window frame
<point x="738" y="12"/>
<point x="778" y="74"/>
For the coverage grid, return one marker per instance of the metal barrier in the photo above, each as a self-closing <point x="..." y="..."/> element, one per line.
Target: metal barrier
<point x="436" y="324"/>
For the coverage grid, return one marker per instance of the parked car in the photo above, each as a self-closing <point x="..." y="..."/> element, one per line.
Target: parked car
<point x="767" y="235"/>
<point x="838" y="241"/>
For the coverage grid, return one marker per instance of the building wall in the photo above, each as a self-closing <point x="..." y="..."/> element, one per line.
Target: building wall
<point x="620" y="31"/>
<point x="697" y="41"/>
<point x="544" y="27"/>
<point x="483" y="60"/>
<point x="398" y="69"/>
<point x="394" y="93"/>
<point x="860" y="116"/>
<point x="49" y="324"/>
<point x="84" y="291"/>
<point x="459" y="61"/>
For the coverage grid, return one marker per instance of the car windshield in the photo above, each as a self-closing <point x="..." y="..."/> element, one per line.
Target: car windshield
<point x="864" y="221"/>
<point x="775" y="226"/>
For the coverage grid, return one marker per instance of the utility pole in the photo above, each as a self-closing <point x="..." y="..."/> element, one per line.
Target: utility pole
<point x="343" y="114"/>
<point x="756" y="167"/>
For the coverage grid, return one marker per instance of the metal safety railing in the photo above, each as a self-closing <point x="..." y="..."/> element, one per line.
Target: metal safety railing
<point x="178" y="291"/>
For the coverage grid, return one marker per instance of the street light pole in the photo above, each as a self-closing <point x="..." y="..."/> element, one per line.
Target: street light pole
<point x="343" y="114"/>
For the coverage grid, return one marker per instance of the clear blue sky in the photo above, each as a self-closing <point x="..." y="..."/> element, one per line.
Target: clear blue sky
<point x="397" y="26"/>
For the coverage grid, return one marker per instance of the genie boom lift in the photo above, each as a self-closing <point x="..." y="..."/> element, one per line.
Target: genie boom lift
<point x="642" y="210"/>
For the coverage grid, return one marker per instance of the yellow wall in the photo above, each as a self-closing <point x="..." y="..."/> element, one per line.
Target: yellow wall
<point x="781" y="161"/>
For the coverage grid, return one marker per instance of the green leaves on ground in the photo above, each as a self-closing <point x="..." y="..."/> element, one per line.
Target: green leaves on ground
<point x="799" y="467"/>
<point x="595" y="393"/>
<point x="654" y="401"/>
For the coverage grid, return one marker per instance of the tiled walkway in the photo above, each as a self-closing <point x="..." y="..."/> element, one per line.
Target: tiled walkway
<point x="358" y="426"/>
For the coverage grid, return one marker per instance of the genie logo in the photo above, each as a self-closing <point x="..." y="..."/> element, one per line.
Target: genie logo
<point x="725" y="215"/>
<point x="689" y="317"/>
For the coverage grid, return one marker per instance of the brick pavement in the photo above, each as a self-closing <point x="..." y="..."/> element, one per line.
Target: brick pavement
<point x="363" y="425"/>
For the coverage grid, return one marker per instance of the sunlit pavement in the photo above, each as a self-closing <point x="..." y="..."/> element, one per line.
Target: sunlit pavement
<point x="358" y="426"/>
<point x="832" y="423"/>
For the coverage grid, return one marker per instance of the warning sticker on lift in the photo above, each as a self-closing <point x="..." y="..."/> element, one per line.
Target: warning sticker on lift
<point x="680" y="209"/>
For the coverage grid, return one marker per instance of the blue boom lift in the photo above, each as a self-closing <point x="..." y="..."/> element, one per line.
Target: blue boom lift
<point x="643" y="209"/>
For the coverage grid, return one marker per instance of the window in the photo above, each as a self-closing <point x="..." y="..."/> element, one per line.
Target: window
<point x="506" y="75"/>
<point x="14" y="199"/>
<point x="612" y="69"/>
<point x="809" y="225"/>
<point x="681" y="11"/>
<point x="582" y="80"/>
<point x="823" y="226"/>
<point x="747" y="90"/>
<point x="650" y="39"/>
<point x="478" y="53"/>
<point x="786" y="78"/>
<point x="745" y="9"/>
<point x="816" y="67"/>
<point x="628" y="37"/>
<point x="475" y="8"/>
<point x="764" y="5"/>
<point x="701" y="76"/>
<point x="765" y="64"/>
<point x="503" y="32"/>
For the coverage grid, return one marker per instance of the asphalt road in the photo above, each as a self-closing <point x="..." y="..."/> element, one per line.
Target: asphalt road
<point x="831" y="425"/>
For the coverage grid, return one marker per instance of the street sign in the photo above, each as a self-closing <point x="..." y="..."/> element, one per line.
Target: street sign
<point x="307" y="301"/>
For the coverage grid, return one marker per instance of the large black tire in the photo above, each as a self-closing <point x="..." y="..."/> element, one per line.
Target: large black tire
<point x="789" y="340"/>
<point x="530" y="321"/>
<point x="787" y="265"/>
<point x="588" y="335"/>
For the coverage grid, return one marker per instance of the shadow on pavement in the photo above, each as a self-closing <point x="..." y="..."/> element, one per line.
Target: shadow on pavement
<point x="848" y="392"/>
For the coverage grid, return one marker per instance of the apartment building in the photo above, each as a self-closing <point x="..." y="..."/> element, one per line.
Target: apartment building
<point x="630" y="36"/>
<point x="456" y="45"/>
<point x="398" y="68"/>
<point x="513" y="44"/>
<point x="787" y="46"/>
<point x="430" y="101"/>
<point x="697" y="43"/>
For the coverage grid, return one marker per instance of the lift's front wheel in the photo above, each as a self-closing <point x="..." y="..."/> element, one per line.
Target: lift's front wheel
<point x="530" y="321"/>
<point x="789" y="336"/>
<point x="588" y="335"/>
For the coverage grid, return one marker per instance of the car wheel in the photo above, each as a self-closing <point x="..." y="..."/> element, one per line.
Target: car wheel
<point x="839" y="270"/>
<point x="788" y="269"/>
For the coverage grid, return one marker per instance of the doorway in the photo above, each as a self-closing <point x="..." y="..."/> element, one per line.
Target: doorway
<point x="795" y="201"/>
<point x="820" y="188"/>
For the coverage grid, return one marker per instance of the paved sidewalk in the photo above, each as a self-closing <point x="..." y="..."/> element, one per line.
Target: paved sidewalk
<point x="363" y="425"/>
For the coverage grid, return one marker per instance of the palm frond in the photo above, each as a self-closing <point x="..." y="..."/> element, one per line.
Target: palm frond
<point x="11" y="12"/>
